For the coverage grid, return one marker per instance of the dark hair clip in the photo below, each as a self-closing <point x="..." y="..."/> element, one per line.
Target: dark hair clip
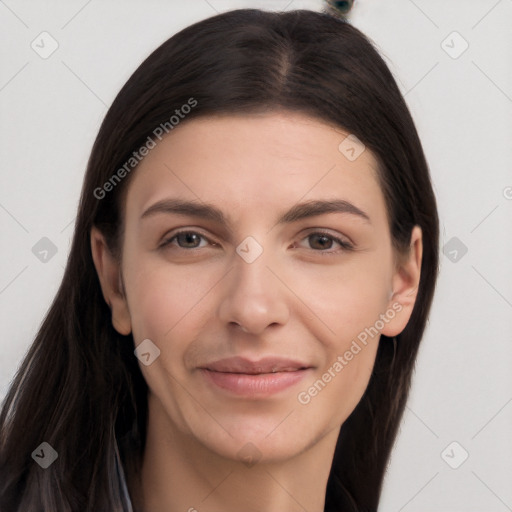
<point x="338" y="8"/>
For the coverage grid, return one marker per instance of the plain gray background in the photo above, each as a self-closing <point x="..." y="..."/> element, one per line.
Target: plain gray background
<point x="461" y="100"/>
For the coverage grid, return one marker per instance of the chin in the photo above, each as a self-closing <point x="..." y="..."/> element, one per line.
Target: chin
<point x="253" y="444"/>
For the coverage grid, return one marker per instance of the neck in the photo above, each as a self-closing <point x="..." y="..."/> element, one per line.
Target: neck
<point x="180" y="474"/>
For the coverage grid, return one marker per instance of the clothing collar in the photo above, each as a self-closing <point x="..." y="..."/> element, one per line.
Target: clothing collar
<point x="125" y="496"/>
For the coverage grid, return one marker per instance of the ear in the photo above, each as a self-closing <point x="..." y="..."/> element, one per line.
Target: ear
<point x="109" y="274"/>
<point x="405" y="285"/>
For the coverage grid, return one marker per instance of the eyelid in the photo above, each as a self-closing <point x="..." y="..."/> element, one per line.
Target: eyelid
<point x="326" y="231"/>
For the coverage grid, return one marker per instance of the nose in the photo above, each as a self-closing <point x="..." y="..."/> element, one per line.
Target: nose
<point x="254" y="298"/>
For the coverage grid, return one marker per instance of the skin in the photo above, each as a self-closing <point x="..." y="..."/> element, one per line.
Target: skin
<point x="200" y="302"/>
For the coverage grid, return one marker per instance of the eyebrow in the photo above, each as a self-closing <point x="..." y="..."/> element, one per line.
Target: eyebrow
<point x="297" y="212"/>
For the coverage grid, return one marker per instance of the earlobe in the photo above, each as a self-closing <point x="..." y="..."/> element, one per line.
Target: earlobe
<point x="109" y="275"/>
<point x="405" y="285"/>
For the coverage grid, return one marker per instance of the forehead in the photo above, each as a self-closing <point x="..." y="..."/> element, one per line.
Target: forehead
<point x="257" y="163"/>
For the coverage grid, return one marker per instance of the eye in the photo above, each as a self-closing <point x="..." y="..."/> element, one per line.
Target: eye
<point x="320" y="241"/>
<point x="186" y="240"/>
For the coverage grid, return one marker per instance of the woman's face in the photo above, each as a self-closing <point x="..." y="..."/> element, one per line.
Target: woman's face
<point x="267" y="309"/>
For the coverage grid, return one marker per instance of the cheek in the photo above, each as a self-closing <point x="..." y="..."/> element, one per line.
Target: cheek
<point x="155" y="305"/>
<point x="334" y="394"/>
<point x="343" y="300"/>
<point x="350" y="347"/>
<point x="163" y="297"/>
<point x="347" y="304"/>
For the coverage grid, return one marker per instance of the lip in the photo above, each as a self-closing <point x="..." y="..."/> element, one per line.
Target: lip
<point x="255" y="379"/>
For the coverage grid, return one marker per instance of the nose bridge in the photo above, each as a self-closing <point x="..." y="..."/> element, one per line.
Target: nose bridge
<point x="254" y="297"/>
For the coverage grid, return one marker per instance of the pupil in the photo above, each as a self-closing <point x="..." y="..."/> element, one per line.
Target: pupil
<point x="188" y="237"/>
<point x="324" y="241"/>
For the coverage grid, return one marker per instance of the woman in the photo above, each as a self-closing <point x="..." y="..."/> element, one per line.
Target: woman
<point x="252" y="269"/>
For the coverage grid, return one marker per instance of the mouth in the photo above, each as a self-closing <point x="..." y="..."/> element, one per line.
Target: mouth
<point x="254" y="379"/>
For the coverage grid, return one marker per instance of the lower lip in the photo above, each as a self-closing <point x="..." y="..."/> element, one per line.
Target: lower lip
<point x="256" y="386"/>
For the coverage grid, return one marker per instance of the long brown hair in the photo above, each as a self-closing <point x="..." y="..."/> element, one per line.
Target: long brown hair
<point x="80" y="388"/>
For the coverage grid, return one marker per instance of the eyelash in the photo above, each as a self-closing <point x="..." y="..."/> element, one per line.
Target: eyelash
<point x="345" y="246"/>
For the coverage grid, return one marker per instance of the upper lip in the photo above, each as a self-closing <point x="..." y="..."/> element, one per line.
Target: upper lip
<point x="264" y="365"/>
